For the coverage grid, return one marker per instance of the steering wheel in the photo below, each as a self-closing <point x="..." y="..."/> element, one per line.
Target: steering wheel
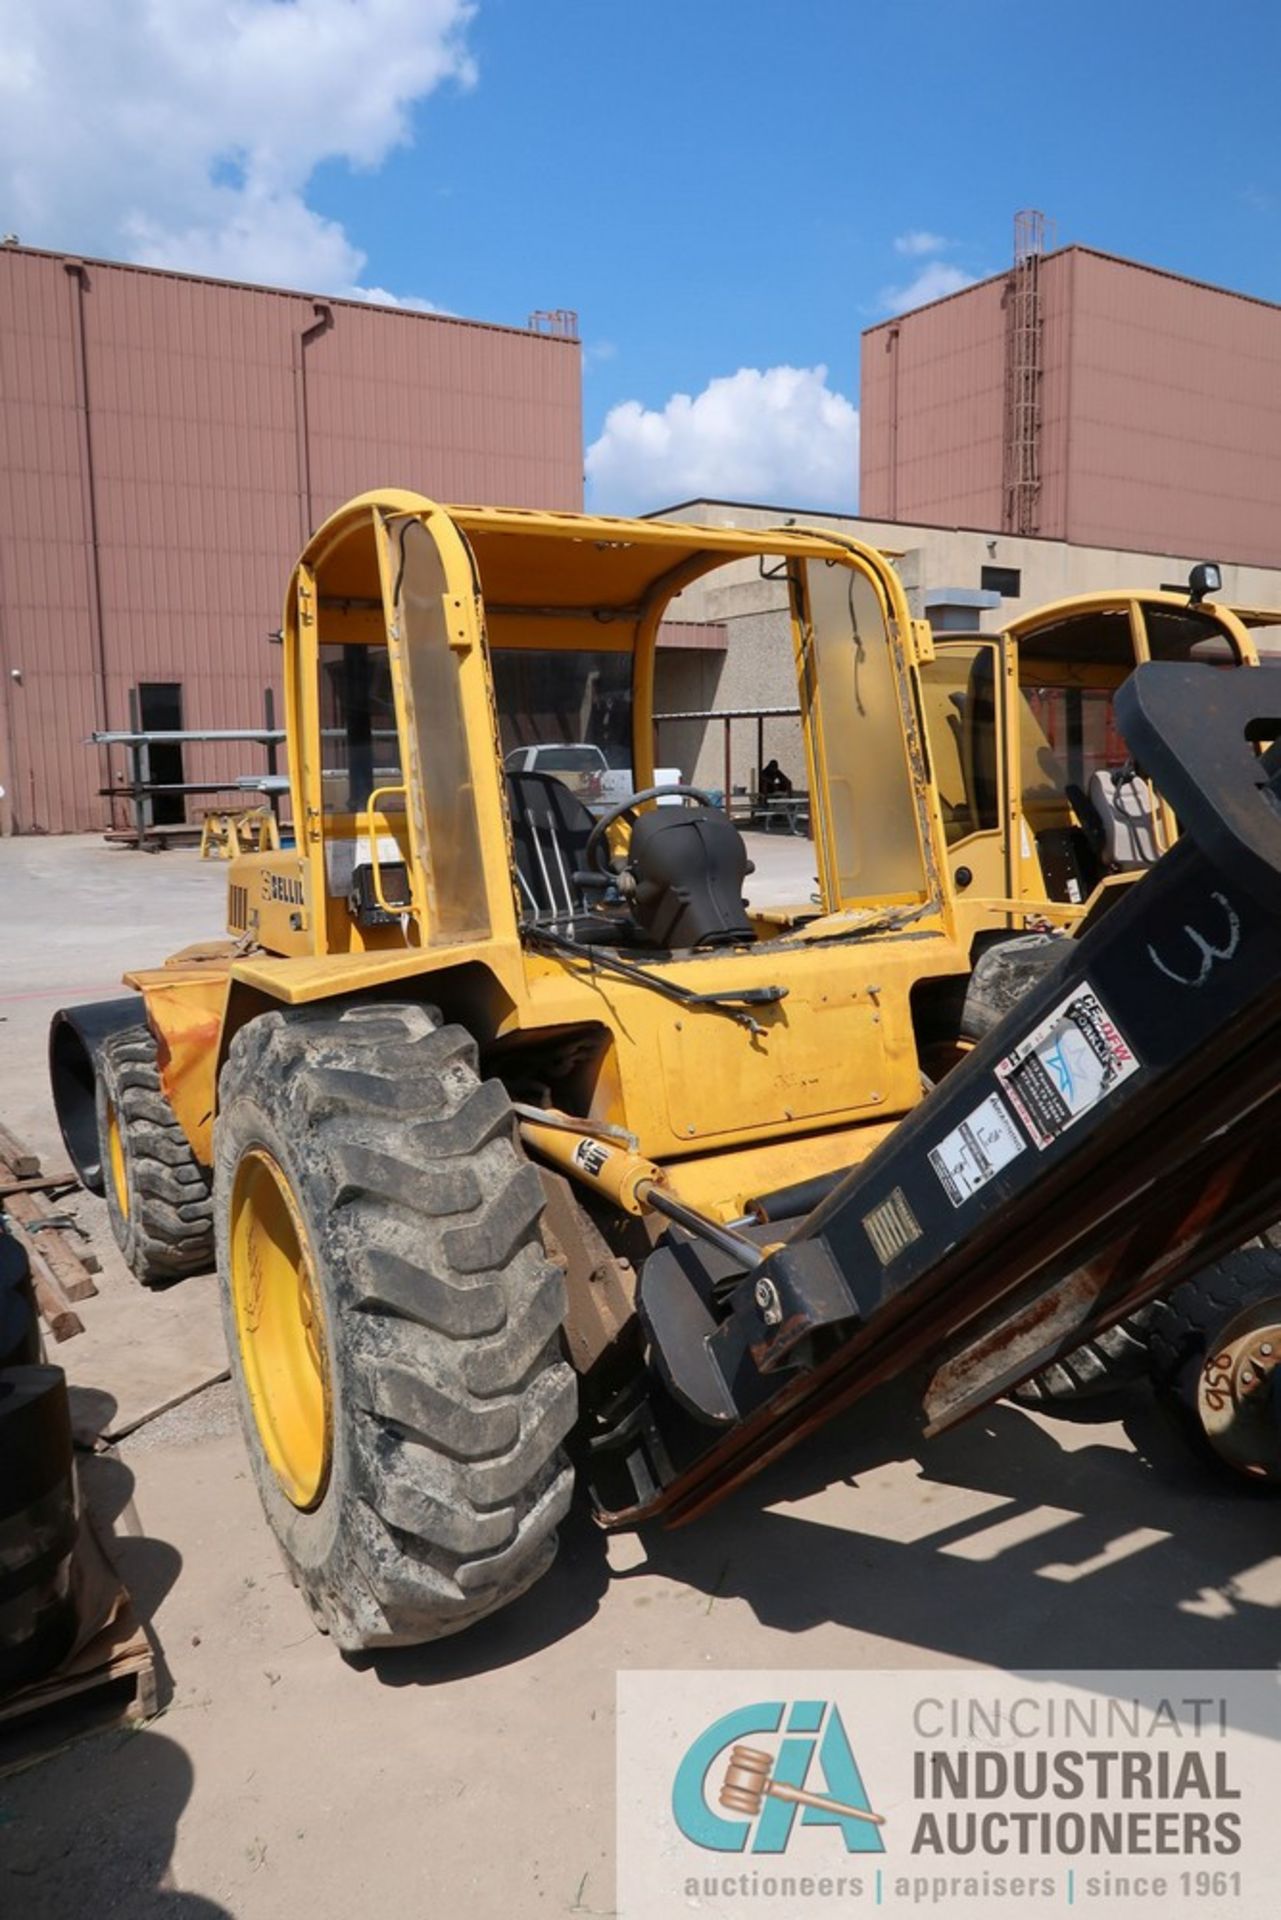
<point x="596" y="851"/>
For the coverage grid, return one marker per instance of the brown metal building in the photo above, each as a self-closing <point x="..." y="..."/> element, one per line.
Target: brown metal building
<point x="166" y="445"/>
<point x="1083" y="398"/>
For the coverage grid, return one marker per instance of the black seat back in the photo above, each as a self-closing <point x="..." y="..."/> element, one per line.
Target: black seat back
<point x="550" y="826"/>
<point x="690" y="864"/>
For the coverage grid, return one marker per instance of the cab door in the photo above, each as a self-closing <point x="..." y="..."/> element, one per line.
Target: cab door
<point x="874" y="825"/>
<point x="397" y="785"/>
<point x="962" y="694"/>
<point x="353" y="823"/>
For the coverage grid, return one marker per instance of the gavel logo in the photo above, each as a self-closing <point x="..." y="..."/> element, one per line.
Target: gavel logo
<point x="748" y="1782"/>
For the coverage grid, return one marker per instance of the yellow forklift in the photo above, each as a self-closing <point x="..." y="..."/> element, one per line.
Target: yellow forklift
<point x="510" y="1126"/>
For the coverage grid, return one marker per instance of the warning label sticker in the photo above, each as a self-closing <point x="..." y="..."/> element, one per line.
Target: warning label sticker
<point x="1066" y="1065"/>
<point x="984" y="1143"/>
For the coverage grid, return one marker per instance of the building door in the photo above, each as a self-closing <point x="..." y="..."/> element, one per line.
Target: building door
<point x="160" y="711"/>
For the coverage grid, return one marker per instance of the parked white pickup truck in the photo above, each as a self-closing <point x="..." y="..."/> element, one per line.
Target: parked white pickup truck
<point x="586" y="772"/>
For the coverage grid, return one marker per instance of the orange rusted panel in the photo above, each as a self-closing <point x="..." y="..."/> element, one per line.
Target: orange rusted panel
<point x="184" y="1011"/>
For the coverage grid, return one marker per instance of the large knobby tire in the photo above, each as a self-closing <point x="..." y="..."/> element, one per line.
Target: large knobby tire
<point x="159" y="1199"/>
<point x="1003" y="973"/>
<point x="447" y="1398"/>
<point x="19" y="1325"/>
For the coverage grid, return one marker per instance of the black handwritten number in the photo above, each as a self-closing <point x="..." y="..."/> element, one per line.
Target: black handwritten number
<point x="1218" y="1382"/>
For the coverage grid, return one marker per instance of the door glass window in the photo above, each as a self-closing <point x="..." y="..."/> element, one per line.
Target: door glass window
<point x="958" y="691"/>
<point x="359" y="745"/>
<point x="1184" y="633"/>
<point x="440" y="775"/>
<point x="1069" y="734"/>
<point x="870" y="798"/>
<point x="567" y="713"/>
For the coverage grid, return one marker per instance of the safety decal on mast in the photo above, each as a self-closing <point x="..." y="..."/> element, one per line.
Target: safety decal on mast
<point x="968" y="1157"/>
<point x="1065" y="1066"/>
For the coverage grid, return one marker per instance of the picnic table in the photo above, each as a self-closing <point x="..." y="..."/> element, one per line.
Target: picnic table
<point x="788" y="811"/>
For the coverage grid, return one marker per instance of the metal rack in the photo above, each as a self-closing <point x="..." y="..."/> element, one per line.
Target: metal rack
<point x="141" y="790"/>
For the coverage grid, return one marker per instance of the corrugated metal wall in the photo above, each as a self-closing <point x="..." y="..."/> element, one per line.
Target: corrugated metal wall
<point x="1175" y="432"/>
<point x="50" y="695"/>
<point x="192" y="428"/>
<point x="1160" y="412"/>
<point x="931" y="412"/>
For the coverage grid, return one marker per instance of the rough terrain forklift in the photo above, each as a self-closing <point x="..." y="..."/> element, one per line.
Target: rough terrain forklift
<point x="508" y="1121"/>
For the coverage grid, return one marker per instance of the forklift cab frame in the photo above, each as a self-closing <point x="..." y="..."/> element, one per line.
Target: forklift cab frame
<point x="1021" y="729"/>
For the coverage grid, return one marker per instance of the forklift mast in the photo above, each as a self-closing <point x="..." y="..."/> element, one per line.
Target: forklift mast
<point x="1111" y="1136"/>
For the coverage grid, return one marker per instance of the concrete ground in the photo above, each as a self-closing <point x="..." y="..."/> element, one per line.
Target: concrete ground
<point x="476" y="1777"/>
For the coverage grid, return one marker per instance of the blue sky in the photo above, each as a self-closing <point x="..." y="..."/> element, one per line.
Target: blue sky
<point x="714" y="187"/>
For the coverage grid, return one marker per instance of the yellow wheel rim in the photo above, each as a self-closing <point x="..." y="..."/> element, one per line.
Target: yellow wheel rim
<point x="116" y="1154"/>
<point x="280" y="1327"/>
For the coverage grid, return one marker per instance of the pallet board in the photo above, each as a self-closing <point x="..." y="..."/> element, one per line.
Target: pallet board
<point x="37" y="1183"/>
<point x="112" y="1651"/>
<point x="21" y="1164"/>
<point x="61" y="1271"/>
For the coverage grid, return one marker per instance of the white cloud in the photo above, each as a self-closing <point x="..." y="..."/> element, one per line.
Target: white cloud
<point x="779" y="436"/>
<point x="379" y="297"/>
<point x="184" y="133"/>
<point x="921" y="241"/>
<point x="931" y="283"/>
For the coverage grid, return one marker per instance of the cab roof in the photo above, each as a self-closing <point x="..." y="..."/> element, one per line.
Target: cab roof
<point x="1118" y="599"/>
<point x="527" y="558"/>
<point x="588" y="560"/>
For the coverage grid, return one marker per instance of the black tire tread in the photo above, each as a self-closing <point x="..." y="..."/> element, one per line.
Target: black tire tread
<point x="444" y="1318"/>
<point x="1003" y="973"/>
<point x="168" y="1232"/>
<point x="1186" y="1320"/>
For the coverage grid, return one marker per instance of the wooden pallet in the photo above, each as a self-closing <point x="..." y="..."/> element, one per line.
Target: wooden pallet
<point x="113" y="1665"/>
<point x="128" y="1666"/>
<point x="62" y="1268"/>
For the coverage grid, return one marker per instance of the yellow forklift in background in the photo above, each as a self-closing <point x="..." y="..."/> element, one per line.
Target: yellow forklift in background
<point x="1043" y="811"/>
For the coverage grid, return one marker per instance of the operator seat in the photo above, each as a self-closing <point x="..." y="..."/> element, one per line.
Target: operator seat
<point x="688" y="866"/>
<point x="550" y="827"/>
<point x="684" y="878"/>
<point x="1122" y="799"/>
